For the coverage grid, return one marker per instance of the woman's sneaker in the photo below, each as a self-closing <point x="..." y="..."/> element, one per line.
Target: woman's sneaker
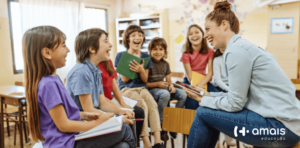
<point x="158" y="145"/>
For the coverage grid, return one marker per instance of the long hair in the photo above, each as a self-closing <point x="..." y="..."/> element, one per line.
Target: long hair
<point x="217" y="53"/>
<point x="108" y="67"/>
<point x="188" y="45"/>
<point x="36" y="67"/>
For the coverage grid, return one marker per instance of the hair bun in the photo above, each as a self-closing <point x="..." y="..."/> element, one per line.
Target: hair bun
<point x="224" y="5"/>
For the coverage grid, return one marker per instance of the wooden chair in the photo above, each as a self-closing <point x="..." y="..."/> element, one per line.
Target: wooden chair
<point x="177" y="120"/>
<point x="13" y="117"/>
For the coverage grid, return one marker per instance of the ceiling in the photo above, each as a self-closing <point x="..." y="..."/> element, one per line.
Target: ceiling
<point x="261" y="3"/>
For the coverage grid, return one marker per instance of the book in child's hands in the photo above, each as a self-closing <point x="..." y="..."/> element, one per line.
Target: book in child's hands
<point x="112" y="125"/>
<point x="124" y="62"/>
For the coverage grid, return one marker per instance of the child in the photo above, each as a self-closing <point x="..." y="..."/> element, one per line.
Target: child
<point x="162" y="90"/>
<point x="133" y="39"/>
<point x="220" y="77"/>
<point x="196" y="57"/>
<point x="110" y="85"/>
<point x="53" y="116"/>
<point x="84" y="82"/>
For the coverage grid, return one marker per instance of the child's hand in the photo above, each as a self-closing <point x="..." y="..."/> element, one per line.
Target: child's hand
<point x="127" y="120"/>
<point x="172" y="89"/>
<point x="104" y="117"/>
<point x="90" y="116"/>
<point x="162" y="84"/>
<point x="136" y="67"/>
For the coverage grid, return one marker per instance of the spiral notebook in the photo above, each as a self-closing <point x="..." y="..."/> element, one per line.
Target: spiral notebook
<point x="123" y="65"/>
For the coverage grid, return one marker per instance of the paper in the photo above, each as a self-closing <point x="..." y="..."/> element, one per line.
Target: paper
<point x="197" y="78"/>
<point x="179" y="39"/>
<point x="113" y="124"/>
<point x="132" y="103"/>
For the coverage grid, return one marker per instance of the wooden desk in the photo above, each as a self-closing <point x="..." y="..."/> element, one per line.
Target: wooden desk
<point x="297" y="90"/>
<point x="13" y="100"/>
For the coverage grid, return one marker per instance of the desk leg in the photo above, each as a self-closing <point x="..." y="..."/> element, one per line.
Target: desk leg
<point x="20" y="125"/>
<point x="1" y="123"/>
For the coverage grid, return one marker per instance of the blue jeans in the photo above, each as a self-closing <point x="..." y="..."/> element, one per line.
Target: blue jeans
<point x="191" y="103"/>
<point x="208" y="123"/>
<point x="163" y="96"/>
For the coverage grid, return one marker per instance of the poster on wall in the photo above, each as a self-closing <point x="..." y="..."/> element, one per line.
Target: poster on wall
<point x="282" y="25"/>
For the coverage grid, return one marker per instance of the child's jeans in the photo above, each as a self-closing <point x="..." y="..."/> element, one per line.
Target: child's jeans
<point x="163" y="96"/>
<point x="245" y="125"/>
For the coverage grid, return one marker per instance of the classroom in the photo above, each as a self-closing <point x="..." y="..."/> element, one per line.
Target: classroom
<point x="150" y="74"/>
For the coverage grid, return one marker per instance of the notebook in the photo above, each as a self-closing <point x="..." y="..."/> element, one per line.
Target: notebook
<point x="132" y="103"/>
<point x="197" y="78"/>
<point x="123" y="65"/>
<point x="112" y="125"/>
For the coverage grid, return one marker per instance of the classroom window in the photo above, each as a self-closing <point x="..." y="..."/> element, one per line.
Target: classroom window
<point x="95" y="17"/>
<point x="16" y="35"/>
<point x="91" y="18"/>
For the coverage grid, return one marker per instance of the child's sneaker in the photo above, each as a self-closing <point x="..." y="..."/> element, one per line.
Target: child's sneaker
<point x="173" y="135"/>
<point x="158" y="145"/>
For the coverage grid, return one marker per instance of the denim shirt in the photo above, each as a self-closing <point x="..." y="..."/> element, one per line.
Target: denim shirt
<point x="257" y="83"/>
<point x="85" y="78"/>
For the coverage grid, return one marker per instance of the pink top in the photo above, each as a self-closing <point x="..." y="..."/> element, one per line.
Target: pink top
<point x="197" y="60"/>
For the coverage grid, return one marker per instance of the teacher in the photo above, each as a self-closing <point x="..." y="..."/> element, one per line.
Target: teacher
<point x="260" y="107"/>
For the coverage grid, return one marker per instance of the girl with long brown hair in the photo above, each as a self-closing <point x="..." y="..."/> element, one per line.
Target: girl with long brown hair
<point x="260" y="108"/>
<point x="53" y="116"/>
<point x="197" y="56"/>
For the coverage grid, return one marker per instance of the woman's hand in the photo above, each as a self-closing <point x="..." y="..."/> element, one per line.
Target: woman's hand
<point x="200" y="89"/>
<point x="193" y="95"/>
<point x="172" y="89"/>
<point x="136" y="67"/>
<point x="162" y="84"/>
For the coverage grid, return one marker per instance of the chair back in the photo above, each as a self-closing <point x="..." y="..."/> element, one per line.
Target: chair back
<point x="178" y="120"/>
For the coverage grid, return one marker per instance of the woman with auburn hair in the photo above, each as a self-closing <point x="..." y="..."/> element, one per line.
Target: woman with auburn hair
<point x="259" y="109"/>
<point x="53" y="116"/>
<point x="196" y="57"/>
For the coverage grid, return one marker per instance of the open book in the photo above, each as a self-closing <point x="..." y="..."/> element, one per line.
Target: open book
<point x="132" y="103"/>
<point x="123" y="65"/>
<point x="112" y="125"/>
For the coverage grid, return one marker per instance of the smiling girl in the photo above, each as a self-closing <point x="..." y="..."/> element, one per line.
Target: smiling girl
<point x="196" y="57"/>
<point x="133" y="39"/>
